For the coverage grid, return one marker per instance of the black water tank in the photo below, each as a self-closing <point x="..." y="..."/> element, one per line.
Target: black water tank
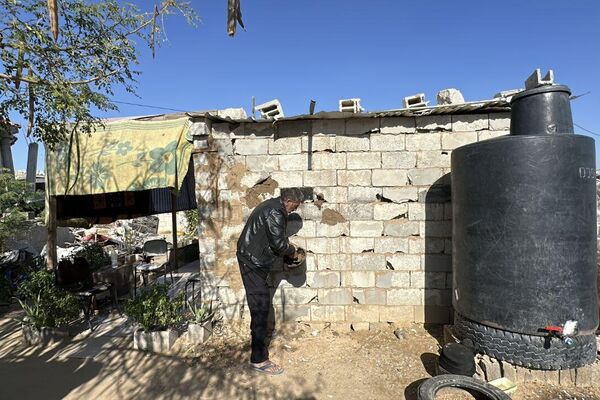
<point x="524" y="236"/>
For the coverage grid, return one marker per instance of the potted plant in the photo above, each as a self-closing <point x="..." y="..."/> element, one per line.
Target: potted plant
<point x="47" y="309"/>
<point x="200" y="322"/>
<point x="155" y="314"/>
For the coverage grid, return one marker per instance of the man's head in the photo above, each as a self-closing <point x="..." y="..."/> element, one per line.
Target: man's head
<point x="291" y="199"/>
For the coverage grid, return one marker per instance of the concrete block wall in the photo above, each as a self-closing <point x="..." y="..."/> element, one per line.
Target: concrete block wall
<point x="377" y="231"/>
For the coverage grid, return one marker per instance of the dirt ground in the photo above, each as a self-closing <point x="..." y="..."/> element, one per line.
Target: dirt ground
<point x="320" y="363"/>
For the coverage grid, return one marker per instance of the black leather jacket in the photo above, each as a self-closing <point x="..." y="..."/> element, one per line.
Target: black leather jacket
<point x="263" y="238"/>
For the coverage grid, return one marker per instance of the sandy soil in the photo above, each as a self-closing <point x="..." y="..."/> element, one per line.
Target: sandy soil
<point x="320" y="363"/>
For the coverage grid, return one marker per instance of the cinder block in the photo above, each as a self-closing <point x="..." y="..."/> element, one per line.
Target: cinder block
<point x="304" y="229"/>
<point x="400" y="159"/>
<point x="425" y="212"/>
<point x="350" y="105"/>
<point x="415" y="101"/>
<point x="428" y="280"/>
<point x="424" y="141"/>
<point x="358" y="126"/>
<point x="221" y="146"/>
<point x="259" y="129"/>
<point x="433" y="159"/>
<point x="334" y="262"/>
<point x="470" y="122"/>
<point x="320" y="142"/>
<point x="389" y="177"/>
<point x="432" y="123"/>
<point x="420" y="245"/>
<point x="388" y="211"/>
<point x="293" y="162"/>
<point x="327" y="313"/>
<point x="401" y="194"/>
<point x="320" y="178"/>
<point x="363" y="194"/>
<point x="491" y="368"/>
<point x="424" y="176"/>
<point x="375" y="296"/>
<point x="398" y="314"/>
<point x="329" y="126"/>
<point x="293" y="312"/>
<point x="583" y="376"/>
<point x="391" y="245"/>
<point x="351" y="143"/>
<point x="357" y="211"/>
<point x="364" y="160"/>
<point x="288" y="145"/>
<point x="404" y="262"/>
<point x="404" y="297"/>
<point x="484" y="135"/>
<point x="499" y="122"/>
<point x="509" y="371"/>
<point x="332" y="194"/>
<point x="397" y="125"/>
<point x="251" y="146"/>
<point x="339" y="229"/>
<point x="324" y="160"/>
<point x="362" y="313"/>
<point x="294" y="295"/>
<point x="387" y="142"/>
<point x="323" y="279"/>
<point x="368" y="261"/>
<point x="323" y="245"/>
<point x="287" y="178"/>
<point x="357" y="245"/>
<point x="338" y="296"/>
<point x="451" y="141"/>
<point x="358" y="279"/>
<point x="401" y="227"/>
<point x="262" y="163"/>
<point x="354" y="177"/>
<point x="366" y="228"/>
<point x="270" y="110"/>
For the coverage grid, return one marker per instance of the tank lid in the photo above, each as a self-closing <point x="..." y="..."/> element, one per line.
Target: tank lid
<point x="539" y="90"/>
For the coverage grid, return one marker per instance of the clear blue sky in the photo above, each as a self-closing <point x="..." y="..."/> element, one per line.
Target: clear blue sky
<point x="377" y="50"/>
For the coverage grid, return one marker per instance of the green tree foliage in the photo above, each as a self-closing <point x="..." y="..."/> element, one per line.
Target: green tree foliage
<point x="56" y="83"/>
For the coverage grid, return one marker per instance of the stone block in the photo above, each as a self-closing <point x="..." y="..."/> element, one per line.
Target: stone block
<point x="398" y="314"/>
<point x="425" y="212"/>
<point x="332" y="194"/>
<point x="500" y="122"/>
<point x="323" y="245"/>
<point x="404" y="297"/>
<point x="387" y="142"/>
<point x="470" y="122"/>
<point x="262" y="163"/>
<point x="396" y="125"/>
<point x="428" y="280"/>
<point x="391" y="245"/>
<point x="308" y="211"/>
<point x="334" y="262"/>
<point x="366" y="228"/>
<point x="368" y="261"/>
<point x="424" y="141"/>
<point x="388" y="211"/>
<point x="401" y="194"/>
<point x="329" y="126"/>
<point x="294" y="295"/>
<point x="419" y="245"/>
<point x="451" y="141"/>
<point x="338" y="296"/>
<point x="368" y="160"/>
<point x="357" y="211"/>
<point x="325" y="160"/>
<point x="491" y="368"/>
<point x="327" y="313"/>
<point x="358" y="126"/>
<point x="323" y="279"/>
<point x="400" y="159"/>
<point x="320" y="178"/>
<point x="433" y="159"/>
<point x="260" y="129"/>
<point x="357" y="245"/>
<point x="287" y="145"/>
<point x="437" y="229"/>
<point x="437" y="262"/>
<point x="360" y="326"/>
<point x="363" y="194"/>
<point x="351" y="143"/>
<point x="432" y="123"/>
<point x="375" y="296"/>
<point x="389" y="177"/>
<point x="358" y="279"/>
<point x="509" y="371"/>
<point x="304" y="229"/>
<point x="484" y="135"/>
<point x="354" y="178"/>
<point x="293" y="162"/>
<point x="287" y="178"/>
<point x="424" y="176"/>
<point x="320" y="142"/>
<point x="154" y="342"/>
<point x="339" y="229"/>
<point x="221" y="146"/>
<point x="362" y="313"/>
<point x="251" y="146"/>
<point x="294" y="312"/>
<point x="404" y="262"/>
<point x="401" y="227"/>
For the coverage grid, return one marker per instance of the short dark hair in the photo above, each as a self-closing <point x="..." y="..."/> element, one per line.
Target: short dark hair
<point x="292" y="194"/>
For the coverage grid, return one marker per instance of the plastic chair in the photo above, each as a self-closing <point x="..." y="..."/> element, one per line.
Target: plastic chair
<point x="152" y="248"/>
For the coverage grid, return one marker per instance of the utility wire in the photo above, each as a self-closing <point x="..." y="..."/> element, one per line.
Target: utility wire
<point x="148" y="106"/>
<point x="587" y="130"/>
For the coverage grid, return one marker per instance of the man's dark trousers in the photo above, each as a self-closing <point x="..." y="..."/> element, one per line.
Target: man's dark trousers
<point x="259" y="302"/>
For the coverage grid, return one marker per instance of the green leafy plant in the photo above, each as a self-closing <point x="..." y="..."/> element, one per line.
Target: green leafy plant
<point x="154" y="310"/>
<point x="200" y="313"/>
<point x="44" y="304"/>
<point x="191" y="229"/>
<point x="95" y="255"/>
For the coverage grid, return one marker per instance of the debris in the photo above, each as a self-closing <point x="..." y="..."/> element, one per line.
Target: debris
<point x="450" y="96"/>
<point x="399" y="334"/>
<point x="505" y="384"/>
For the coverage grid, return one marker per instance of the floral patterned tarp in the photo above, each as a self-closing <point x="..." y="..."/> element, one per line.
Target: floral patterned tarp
<point x="121" y="156"/>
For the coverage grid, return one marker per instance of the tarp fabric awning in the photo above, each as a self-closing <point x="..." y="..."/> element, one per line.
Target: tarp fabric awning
<point x="122" y="156"/>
